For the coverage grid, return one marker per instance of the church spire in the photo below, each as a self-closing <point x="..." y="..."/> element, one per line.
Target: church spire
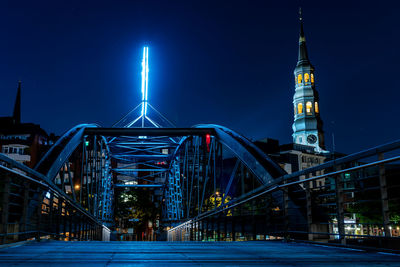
<point x="307" y="125"/>
<point x="17" y="106"/>
<point x="303" y="55"/>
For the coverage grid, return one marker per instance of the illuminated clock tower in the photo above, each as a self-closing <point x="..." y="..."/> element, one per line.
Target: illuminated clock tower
<point x="307" y="125"/>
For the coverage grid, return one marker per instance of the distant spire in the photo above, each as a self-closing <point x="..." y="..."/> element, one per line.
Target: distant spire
<point x="303" y="55"/>
<point x="300" y="14"/>
<point x="17" y="106"/>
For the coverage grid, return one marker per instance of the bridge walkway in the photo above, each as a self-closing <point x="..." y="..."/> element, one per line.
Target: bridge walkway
<point x="265" y="253"/>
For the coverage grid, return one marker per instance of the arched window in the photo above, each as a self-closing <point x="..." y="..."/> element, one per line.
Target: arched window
<point x="299" y="78"/>
<point x="306" y="78"/>
<point x="308" y="107"/>
<point x="316" y="107"/>
<point x="312" y="78"/>
<point x="300" y="108"/>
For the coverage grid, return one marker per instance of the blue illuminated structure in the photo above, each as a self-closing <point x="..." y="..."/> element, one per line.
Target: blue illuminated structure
<point x="143" y="157"/>
<point x="212" y="184"/>
<point x="135" y="119"/>
<point x="145" y="82"/>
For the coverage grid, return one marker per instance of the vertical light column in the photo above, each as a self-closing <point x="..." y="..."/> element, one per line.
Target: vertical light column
<point x="145" y="76"/>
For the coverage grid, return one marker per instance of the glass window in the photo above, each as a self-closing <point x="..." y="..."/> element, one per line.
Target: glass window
<point x="294" y="110"/>
<point x="306" y="77"/>
<point x="300" y="108"/>
<point x="316" y="107"/>
<point x="5" y="150"/>
<point x="309" y="107"/>
<point x="312" y="78"/>
<point x="299" y="78"/>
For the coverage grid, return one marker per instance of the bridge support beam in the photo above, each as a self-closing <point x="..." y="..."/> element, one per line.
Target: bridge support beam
<point x="219" y="228"/>
<point x="51" y="214"/>
<point x="225" y="228"/>
<point x="286" y="212"/>
<point x="340" y="207"/>
<point x="62" y="203"/>
<point x="253" y="221"/>
<point x="39" y="214"/>
<point x="24" y="217"/>
<point x="5" y="207"/>
<point x="309" y="209"/>
<point x="384" y="196"/>
<point x="233" y="228"/>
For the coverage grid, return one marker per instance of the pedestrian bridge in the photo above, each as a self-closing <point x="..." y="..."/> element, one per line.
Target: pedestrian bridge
<point x="213" y="184"/>
<point x="266" y="253"/>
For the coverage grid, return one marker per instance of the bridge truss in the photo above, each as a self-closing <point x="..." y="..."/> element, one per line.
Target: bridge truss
<point x="217" y="186"/>
<point x="214" y="185"/>
<point x="68" y="195"/>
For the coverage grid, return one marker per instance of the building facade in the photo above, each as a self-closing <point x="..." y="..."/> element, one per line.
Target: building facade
<point x="23" y="142"/>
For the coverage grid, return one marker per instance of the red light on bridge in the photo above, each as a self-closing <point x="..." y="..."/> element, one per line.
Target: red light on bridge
<point x="208" y="141"/>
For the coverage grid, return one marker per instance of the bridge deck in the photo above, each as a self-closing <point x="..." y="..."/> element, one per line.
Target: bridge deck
<point x="56" y="253"/>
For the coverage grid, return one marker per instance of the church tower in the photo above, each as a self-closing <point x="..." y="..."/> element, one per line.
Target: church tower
<point x="307" y="126"/>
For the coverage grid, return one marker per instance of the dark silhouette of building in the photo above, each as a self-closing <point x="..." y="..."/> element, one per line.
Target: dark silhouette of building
<point x="23" y="142"/>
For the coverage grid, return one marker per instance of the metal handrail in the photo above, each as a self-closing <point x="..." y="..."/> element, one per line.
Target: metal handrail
<point x="45" y="181"/>
<point x="287" y="181"/>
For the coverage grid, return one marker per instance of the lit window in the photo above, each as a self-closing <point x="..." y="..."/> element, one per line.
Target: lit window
<point x="316" y="107"/>
<point x="299" y="108"/>
<point x="312" y="78"/>
<point x="306" y="77"/>
<point x="299" y="78"/>
<point x="308" y="107"/>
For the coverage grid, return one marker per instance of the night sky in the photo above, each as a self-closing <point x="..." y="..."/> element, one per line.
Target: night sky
<point x="223" y="62"/>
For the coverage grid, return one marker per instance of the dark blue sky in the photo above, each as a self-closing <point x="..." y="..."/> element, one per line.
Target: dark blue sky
<point x="223" y="62"/>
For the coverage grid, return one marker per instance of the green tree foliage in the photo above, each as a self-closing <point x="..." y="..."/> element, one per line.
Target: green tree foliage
<point x="136" y="204"/>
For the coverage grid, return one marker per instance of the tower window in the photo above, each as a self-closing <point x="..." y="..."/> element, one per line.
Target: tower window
<point x="316" y="107"/>
<point x="306" y="77"/>
<point x="299" y="78"/>
<point x="300" y="108"/>
<point x="309" y="107"/>
<point x="294" y="110"/>
<point x="312" y="78"/>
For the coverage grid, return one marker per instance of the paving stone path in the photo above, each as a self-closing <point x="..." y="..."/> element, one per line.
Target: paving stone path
<point x="273" y="253"/>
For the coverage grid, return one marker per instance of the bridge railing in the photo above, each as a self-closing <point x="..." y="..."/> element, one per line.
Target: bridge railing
<point x="34" y="208"/>
<point x="351" y="200"/>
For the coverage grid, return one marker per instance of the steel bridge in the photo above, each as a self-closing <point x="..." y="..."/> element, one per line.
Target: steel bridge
<point x="216" y="186"/>
<point x="213" y="185"/>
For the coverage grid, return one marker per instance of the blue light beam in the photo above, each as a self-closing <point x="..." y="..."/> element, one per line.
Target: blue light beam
<point x="145" y="82"/>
